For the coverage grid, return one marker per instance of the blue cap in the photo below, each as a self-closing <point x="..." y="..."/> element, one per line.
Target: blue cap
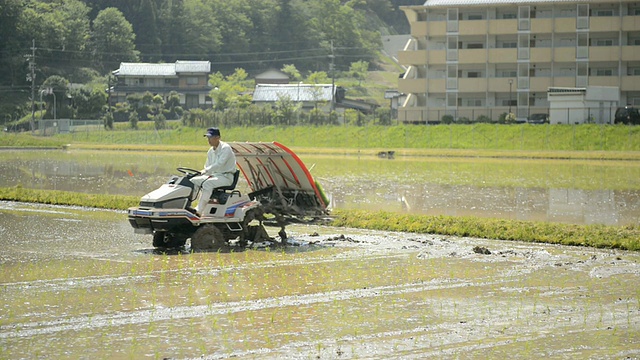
<point x="212" y="132"/>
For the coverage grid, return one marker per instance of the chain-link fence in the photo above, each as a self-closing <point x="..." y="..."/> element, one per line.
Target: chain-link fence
<point x="47" y="127"/>
<point x="556" y="115"/>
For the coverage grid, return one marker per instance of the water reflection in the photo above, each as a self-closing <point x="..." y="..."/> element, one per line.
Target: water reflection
<point x="580" y="192"/>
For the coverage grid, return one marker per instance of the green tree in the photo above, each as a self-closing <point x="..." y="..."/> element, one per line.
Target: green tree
<point x="11" y="53"/>
<point x="318" y="77"/>
<point x="133" y="120"/>
<point x="76" y="32"/>
<point x="358" y="70"/>
<point x="57" y="106"/>
<point x="202" y="30"/>
<point x="342" y="28"/>
<point x="292" y="71"/>
<point x="147" y="33"/>
<point x="88" y="103"/>
<point x="230" y="91"/>
<point x="113" y="39"/>
<point x="286" y="111"/>
<point x="107" y="121"/>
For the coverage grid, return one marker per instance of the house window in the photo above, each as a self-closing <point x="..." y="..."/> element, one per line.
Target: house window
<point x="167" y="81"/>
<point x="191" y="101"/>
<point x="475" y="16"/>
<point x="192" y="80"/>
<point x="140" y="81"/>
<point x="509" y="45"/>
<point x="510" y="16"/>
<point x="473" y="74"/>
<point x="475" y="46"/>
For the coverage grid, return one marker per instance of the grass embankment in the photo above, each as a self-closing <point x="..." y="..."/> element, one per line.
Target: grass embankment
<point x="555" y="141"/>
<point x="600" y="236"/>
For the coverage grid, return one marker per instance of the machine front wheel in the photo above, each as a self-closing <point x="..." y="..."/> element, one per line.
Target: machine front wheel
<point x="207" y="237"/>
<point x="162" y="239"/>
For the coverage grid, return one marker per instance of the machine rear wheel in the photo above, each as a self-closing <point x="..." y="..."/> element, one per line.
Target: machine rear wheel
<point x="207" y="237"/>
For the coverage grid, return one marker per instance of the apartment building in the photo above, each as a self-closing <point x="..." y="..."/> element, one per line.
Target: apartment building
<point x="483" y="58"/>
<point x="190" y="79"/>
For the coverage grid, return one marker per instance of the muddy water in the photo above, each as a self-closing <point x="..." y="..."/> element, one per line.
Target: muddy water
<point x="580" y="192"/>
<point x="78" y="283"/>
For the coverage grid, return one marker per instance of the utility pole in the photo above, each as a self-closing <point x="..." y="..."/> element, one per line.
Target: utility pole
<point x="32" y="77"/>
<point x="333" y="79"/>
<point x="109" y="92"/>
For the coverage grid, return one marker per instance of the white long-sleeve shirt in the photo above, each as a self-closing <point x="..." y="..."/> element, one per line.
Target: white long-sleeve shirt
<point x="221" y="160"/>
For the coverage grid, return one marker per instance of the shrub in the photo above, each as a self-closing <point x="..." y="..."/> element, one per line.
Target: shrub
<point x="108" y="121"/>
<point x="447" y="119"/>
<point x="483" y="119"/>
<point x="133" y="120"/>
<point x="160" y="121"/>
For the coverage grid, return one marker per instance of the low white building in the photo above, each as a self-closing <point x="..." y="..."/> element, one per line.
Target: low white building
<point x="592" y="104"/>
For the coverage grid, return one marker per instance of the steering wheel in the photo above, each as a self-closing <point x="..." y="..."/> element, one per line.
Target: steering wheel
<point x="188" y="171"/>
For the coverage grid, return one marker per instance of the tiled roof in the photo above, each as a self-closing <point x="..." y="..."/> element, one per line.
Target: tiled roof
<point x="442" y="3"/>
<point x="295" y="92"/>
<point x="171" y="69"/>
<point x="193" y="66"/>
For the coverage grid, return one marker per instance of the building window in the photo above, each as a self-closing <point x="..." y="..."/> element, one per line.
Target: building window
<point x="602" y="12"/>
<point x="509" y="16"/>
<point x="473" y="102"/>
<point x="604" y="72"/>
<point x="507" y="73"/>
<point x="474" y="74"/>
<point x="509" y="45"/>
<point x="602" y="42"/>
<point x="192" y="80"/>
<point x="140" y="81"/>
<point x="474" y="17"/>
<point x="475" y="46"/>
<point x="167" y="81"/>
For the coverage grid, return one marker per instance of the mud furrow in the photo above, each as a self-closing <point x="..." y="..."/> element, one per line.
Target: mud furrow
<point x="185" y="312"/>
<point x="92" y="281"/>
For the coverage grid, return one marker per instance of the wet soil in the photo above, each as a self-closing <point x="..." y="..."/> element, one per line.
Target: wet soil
<point x="77" y="283"/>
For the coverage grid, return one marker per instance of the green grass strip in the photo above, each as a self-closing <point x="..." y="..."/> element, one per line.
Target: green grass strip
<point x="57" y="197"/>
<point x="599" y="236"/>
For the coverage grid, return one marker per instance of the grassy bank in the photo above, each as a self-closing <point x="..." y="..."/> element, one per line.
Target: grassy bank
<point x="599" y="236"/>
<point x="487" y="137"/>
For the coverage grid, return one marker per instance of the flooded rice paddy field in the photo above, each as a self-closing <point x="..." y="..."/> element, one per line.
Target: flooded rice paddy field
<point x="77" y="283"/>
<point x="575" y="191"/>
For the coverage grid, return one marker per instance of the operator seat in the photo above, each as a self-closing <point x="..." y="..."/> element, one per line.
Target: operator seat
<point x="222" y="193"/>
<point x="236" y="175"/>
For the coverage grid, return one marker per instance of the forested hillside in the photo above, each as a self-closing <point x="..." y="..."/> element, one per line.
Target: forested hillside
<point x="81" y="40"/>
<point x="76" y="38"/>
